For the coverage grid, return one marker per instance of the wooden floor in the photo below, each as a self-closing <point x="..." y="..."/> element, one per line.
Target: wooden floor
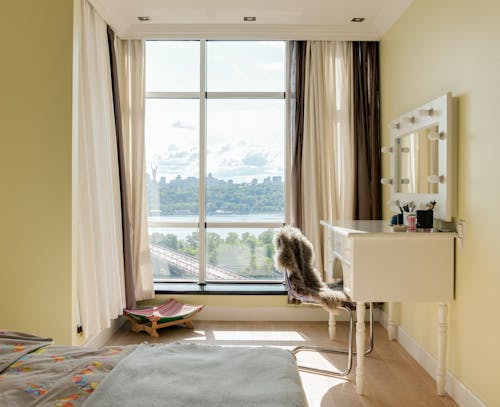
<point x="393" y="378"/>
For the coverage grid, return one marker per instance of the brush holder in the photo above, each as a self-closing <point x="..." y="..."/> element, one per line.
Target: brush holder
<point x="425" y="219"/>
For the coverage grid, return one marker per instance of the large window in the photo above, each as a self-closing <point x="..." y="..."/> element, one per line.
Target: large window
<point x="215" y="145"/>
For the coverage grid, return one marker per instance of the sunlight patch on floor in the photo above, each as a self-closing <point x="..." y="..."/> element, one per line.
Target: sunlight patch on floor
<point x="258" y="336"/>
<point x="195" y="335"/>
<point x="316" y="360"/>
<point x="317" y="386"/>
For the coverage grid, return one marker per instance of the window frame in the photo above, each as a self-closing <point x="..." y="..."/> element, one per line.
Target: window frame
<point x="202" y="225"/>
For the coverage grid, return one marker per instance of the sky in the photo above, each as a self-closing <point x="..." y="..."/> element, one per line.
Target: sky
<point x="245" y="138"/>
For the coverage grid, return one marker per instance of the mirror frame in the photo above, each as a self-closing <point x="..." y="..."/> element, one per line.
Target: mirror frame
<point x="439" y="112"/>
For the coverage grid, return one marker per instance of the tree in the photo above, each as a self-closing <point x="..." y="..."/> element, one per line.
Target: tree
<point x="170" y="241"/>
<point x="240" y="198"/>
<point x="232" y="238"/>
<point x="213" y="242"/>
<point x="267" y="236"/>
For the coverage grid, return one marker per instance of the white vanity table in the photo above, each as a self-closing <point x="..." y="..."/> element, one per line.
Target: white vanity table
<point x="380" y="265"/>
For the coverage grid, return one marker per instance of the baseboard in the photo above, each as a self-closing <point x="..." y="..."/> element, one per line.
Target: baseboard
<point x="104" y="336"/>
<point x="458" y="391"/>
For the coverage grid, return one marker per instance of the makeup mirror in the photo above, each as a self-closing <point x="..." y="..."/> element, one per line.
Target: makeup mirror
<point x="418" y="159"/>
<point x="423" y="157"/>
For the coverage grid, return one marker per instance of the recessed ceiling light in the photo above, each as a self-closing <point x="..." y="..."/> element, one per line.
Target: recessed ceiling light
<point x="144" y="18"/>
<point x="357" y="19"/>
<point x="249" y="18"/>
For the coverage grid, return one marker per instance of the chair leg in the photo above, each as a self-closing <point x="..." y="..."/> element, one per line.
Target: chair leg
<point x="329" y="350"/>
<point x="349" y="352"/>
<point x="332" y="330"/>
<point x="371" y="341"/>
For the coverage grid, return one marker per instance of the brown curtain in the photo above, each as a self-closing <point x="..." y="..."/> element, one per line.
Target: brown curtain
<point x="366" y="106"/>
<point x="296" y="117"/>
<point x="126" y="232"/>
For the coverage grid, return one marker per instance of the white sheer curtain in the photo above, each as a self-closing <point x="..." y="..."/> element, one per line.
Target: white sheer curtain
<point x="328" y="152"/>
<point x="130" y="61"/>
<point x="99" y="257"/>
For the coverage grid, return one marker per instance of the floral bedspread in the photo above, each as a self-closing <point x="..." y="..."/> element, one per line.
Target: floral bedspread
<point x="32" y="373"/>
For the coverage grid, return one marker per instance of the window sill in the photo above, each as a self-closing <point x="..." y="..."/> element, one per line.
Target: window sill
<point x="220" y="289"/>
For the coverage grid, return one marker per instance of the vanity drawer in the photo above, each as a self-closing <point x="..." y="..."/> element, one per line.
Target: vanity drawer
<point x="342" y="246"/>
<point x="347" y="277"/>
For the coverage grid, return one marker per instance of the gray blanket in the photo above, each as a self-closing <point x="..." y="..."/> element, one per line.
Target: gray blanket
<point x="184" y="374"/>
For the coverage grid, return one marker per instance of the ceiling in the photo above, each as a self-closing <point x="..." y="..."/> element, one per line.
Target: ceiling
<point x="275" y="19"/>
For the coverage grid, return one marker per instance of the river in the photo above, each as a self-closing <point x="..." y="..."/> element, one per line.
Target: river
<point x="223" y="232"/>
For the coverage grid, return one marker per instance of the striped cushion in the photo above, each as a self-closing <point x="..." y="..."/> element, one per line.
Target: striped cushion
<point x="170" y="311"/>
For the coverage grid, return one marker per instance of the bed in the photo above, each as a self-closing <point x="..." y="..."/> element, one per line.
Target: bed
<point x="34" y="372"/>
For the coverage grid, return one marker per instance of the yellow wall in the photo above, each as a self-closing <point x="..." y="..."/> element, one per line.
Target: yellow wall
<point x="35" y="167"/>
<point x="437" y="46"/>
<point x="453" y="45"/>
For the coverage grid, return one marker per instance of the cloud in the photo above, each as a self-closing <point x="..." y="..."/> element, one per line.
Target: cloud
<point x="239" y="174"/>
<point x="237" y="160"/>
<point x="178" y="124"/>
<point x="224" y="149"/>
<point x="180" y="154"/>
<point x="176" y="161"/>
<point x="171" y="168"/>
<point x="255" y="159"/>
<point x="272" y="66"/>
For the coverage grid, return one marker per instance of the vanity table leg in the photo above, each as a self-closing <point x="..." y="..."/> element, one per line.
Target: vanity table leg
<point x="360" y="346"/>
<point x="391" y="328"/>
<point x="442" y="331"/>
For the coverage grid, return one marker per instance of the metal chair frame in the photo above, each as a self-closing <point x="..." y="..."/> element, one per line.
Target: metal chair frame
<point x="349" y="352"/>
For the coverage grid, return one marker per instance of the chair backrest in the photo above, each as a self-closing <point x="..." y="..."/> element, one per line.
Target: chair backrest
<point x="295" y="256"/>
<point x="293" y="292"/>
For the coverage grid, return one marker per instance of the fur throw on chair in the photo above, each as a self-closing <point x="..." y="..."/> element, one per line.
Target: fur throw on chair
<point x="295" y="256"/>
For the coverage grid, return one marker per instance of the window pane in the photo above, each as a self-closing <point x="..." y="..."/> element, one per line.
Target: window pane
<point x="245" y="160"/>
<point x="172" y="159"/>
<point x="241" y="255"/>
<point x="246" y="66"/>
<point x="172" y="66"/>
<point x="174" y="253"/>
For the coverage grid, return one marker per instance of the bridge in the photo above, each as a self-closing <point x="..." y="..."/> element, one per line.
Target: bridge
<point x="190" y="265"/>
